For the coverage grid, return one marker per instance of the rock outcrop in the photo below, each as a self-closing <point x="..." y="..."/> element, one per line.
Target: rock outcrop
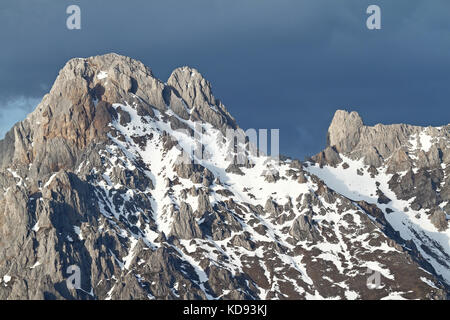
<point x="106" y="179"/>
<point x="401" y="174"/>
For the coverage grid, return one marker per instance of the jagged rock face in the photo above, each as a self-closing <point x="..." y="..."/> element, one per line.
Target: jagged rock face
<point x="403" y="170"/>
<point x="96" y="177"/>
<point x="400" y="145"/>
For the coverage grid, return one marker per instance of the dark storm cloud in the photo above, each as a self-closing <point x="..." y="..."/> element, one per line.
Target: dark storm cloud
<point x="275" y="64"/>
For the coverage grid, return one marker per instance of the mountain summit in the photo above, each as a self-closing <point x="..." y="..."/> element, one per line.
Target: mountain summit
<point x="101" y="178"/>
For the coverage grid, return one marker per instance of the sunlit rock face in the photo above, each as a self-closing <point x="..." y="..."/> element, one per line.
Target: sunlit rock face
<point x="100" y="176"/>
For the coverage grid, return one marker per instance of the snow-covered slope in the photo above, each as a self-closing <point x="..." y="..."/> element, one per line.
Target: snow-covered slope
<point x="122" y="194"/>
<point x="401" y="169"/>
<point x="412" y="224"/>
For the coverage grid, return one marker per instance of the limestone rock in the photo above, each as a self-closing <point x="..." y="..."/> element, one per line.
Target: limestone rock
<point x="100" y="178"/>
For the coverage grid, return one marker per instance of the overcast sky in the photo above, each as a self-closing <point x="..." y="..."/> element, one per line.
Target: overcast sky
<point x="285" y="64"/>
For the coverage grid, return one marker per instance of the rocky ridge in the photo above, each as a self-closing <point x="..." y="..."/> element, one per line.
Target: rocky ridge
<point x="96" y="177"/>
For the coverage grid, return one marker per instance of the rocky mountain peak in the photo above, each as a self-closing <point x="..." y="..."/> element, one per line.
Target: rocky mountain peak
<point x="408" y="162"/>
<point x="78" y="108"/>
<point x="99" y="178"/>
<point x="344" y="130"/>
<point x="190" y="96"/>
<point x="400" y="145"/>
<point x="112" y="78"/>
<point x="191" y="87"/>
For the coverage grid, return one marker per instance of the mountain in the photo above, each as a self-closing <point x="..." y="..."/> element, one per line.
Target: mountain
<point x="107" y="176"/>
